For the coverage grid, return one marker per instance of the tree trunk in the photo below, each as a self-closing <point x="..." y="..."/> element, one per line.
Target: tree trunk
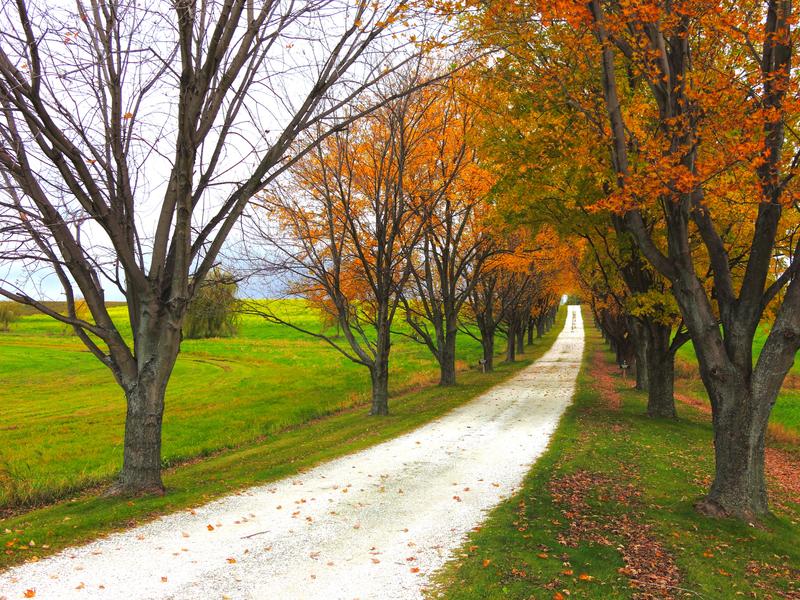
<point x="660" y="372"/>
<point x="447" y="362"/>
<point x="487" y="343"/>
<point x="380" y="388"/>
<point x="739" y="487"/>
<point x="660" y="397"/>
<point x="640" y="343"/>
<point x="379" y="372"/>
<point x="141" y="465"/>
<point x="141" y="462"/>
<point x="521" y="339"/>
<point x="511" y="354"/>
<point x="540" y="327"/>
<point x="531" y="327"/>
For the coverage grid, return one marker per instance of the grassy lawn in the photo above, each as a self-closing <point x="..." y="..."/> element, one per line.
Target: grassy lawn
<point x="267" y="405"/>
<point x="785" y="416"/>
<point x="608" y="513"/>
<point x="62" y="414"/>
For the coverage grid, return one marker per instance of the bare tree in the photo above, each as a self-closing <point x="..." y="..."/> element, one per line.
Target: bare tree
<point x="119" y="114"/>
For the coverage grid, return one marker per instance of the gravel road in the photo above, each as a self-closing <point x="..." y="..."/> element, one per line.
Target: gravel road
<point x="375" y="524"/>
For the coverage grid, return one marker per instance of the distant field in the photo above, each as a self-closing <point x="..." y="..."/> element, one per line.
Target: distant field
<point x="786" y="411"/>
<point x="61" y="413"/>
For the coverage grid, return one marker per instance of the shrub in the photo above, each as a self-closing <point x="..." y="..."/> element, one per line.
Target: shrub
<point x="8" y="314"/>
<point x="213" y="311"/>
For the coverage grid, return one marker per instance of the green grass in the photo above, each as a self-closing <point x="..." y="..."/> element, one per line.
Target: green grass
<point x="650" y="474"/>
<point x="62" y="414"/>
<point x="786" y="411"/>
<point x="286" y="438"/>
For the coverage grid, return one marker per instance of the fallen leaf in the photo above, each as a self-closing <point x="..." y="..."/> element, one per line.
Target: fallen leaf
<point x="414" y="569"/>
<point x="210" y="527"/>
<point x="585" y="577"/>
<point x="231" y="560"/>
<point x="163" y="580"/>
<point x="486" y="562"/>
<point x="375" y="561"/>
<point x="29" y="593"/>
<point x="567" y="572"/>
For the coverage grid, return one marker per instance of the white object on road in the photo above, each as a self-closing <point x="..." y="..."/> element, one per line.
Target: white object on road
<point x="375" y="524"/>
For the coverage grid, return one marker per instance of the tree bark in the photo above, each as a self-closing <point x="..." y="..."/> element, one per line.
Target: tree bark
<point x="487" y="343"/>
<point x="511" y="354"/>
<point x="739" y="439"/>
<point x="640" y="350"/>
<point x="660" y="393"/>
<point x="521" y="339"/>
<point x="380" y="388"/>
<point x="447" y="359"/>
<point x="141" y="468"/>
<point x="141" y="465"/>
<point x="540" y="327"/>
<point x="379" y="372"/>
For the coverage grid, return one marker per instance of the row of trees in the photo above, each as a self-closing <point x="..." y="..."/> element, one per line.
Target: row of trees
<point x="393" y="217"/>
<point x="133" y="138"/>
<point x="662" y="134"/>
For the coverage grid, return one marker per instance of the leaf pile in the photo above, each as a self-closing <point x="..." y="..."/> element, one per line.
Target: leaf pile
<point x="650" y="568"/>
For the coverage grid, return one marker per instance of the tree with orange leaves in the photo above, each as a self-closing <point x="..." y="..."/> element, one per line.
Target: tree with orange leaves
<point x="455" y="241"/>
<point x="697" y="98"/>
<point x="347" y="221"/>
<point x="549" y="176"/>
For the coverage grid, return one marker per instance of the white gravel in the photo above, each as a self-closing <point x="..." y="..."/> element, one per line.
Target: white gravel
<point x="375" y="524"/>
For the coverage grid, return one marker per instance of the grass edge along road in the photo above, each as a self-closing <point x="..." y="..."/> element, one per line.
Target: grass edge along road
<point x="43" y="531"/>
<point x="607" y="512"/>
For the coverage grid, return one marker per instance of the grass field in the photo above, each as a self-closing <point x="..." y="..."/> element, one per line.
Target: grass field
<point x="264" y="406"/>
<point x="610" y="507"/>
<point x="62" y="414"/>
<point x="786" y="412"/>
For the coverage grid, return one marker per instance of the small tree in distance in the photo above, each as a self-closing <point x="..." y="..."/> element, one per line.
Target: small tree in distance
<point x="8" y="314"/>
<point x="213" y="309"/>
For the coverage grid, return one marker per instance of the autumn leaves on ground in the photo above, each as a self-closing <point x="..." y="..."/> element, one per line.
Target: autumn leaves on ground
<point x="608" y="511"/>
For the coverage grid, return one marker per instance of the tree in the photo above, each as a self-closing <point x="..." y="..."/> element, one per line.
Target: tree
<point x="455" y="242"/>
<point x="348" y="221"/>
<point x="696" y="99"/>
<point x="212" y="311"/>
<point x="8" y="315"/>
<point x="124" y="114"/>
<point x="549" y="176"/>
<point x="742" y="394"/>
